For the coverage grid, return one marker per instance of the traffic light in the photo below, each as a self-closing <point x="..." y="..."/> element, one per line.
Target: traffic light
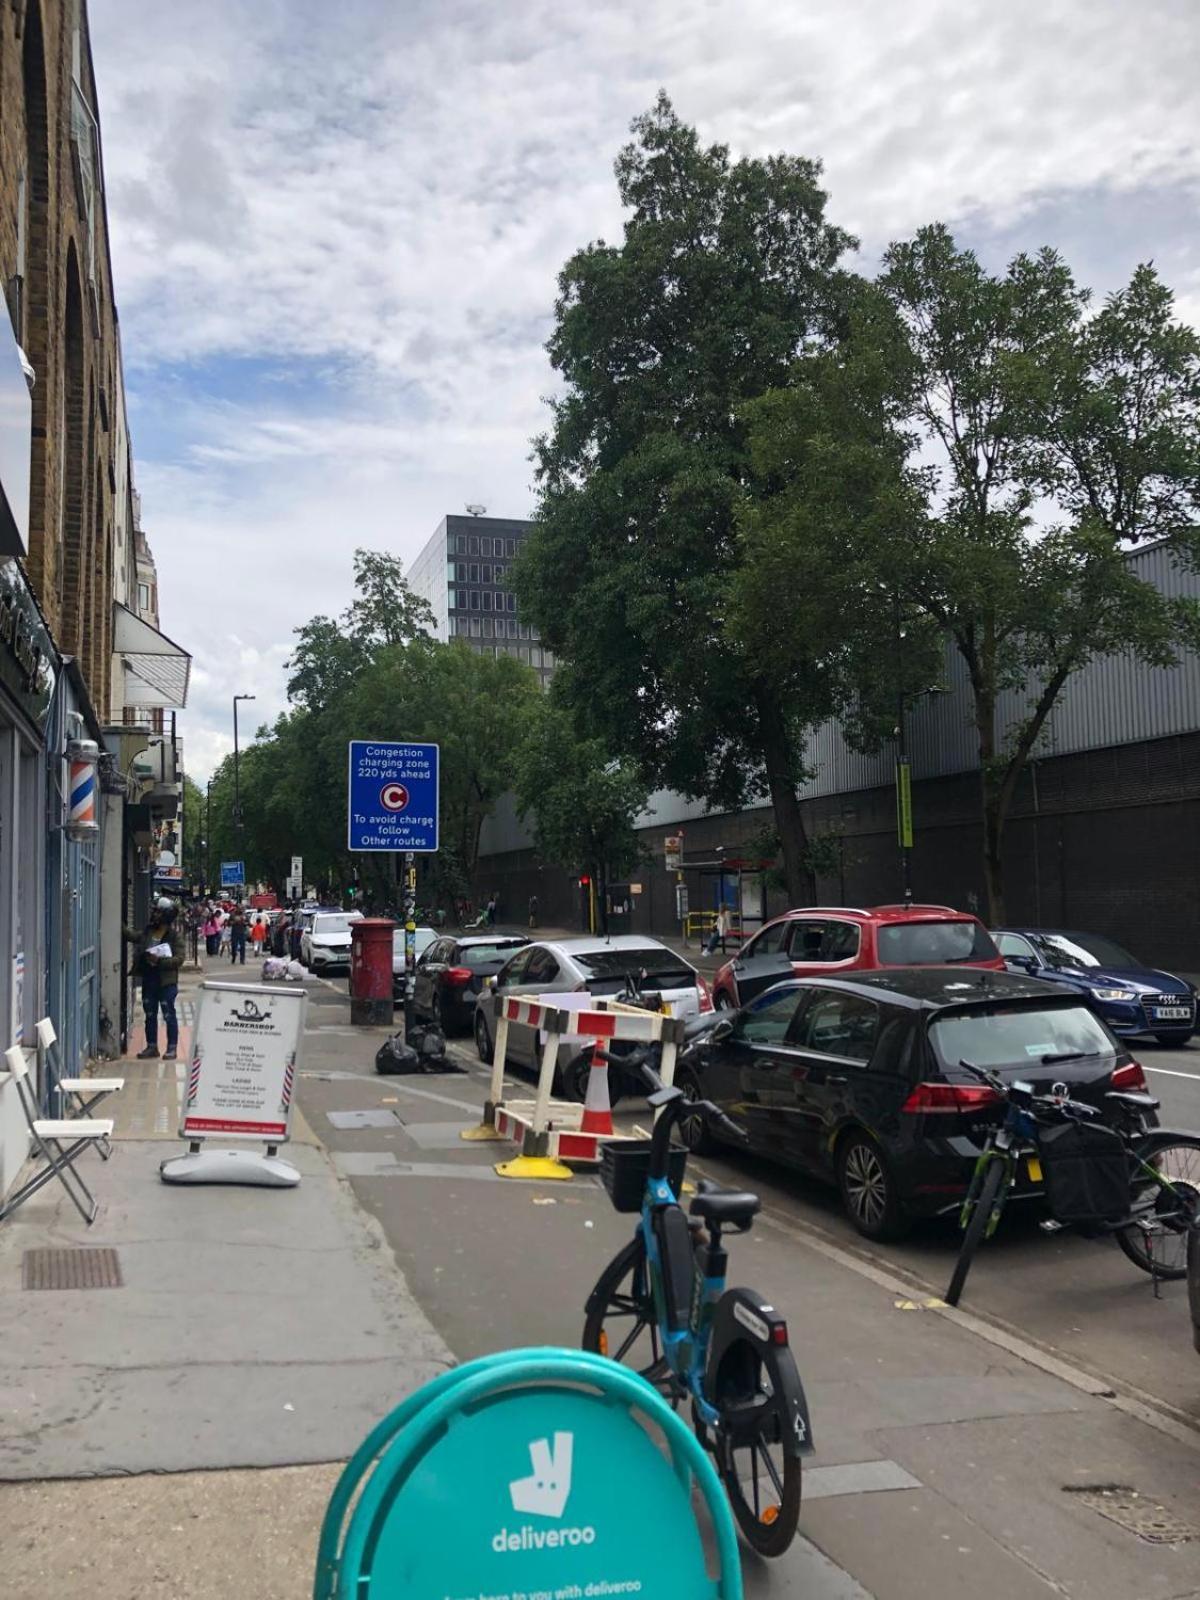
<point x="583" y="882"/>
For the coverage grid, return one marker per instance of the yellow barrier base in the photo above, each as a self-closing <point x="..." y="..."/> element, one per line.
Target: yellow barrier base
<point x="533" y="1167"/>
<point x="483" y="1132"/>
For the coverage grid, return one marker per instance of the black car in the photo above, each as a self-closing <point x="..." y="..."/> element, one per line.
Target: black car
<point x="857" y="1080"/>
<point x="450" y="974"/>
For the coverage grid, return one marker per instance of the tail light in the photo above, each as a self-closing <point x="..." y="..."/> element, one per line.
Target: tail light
<point x="1130" y="1078"/>
<point x="456" y="977"/>
<point x="706" y="999"/>
<point x="950" y="1097"/>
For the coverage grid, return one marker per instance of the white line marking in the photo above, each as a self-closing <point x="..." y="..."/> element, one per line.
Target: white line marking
<point x="1168" y="1073"/>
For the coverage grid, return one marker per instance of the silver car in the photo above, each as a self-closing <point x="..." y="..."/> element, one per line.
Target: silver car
<point x="602" y="967"/>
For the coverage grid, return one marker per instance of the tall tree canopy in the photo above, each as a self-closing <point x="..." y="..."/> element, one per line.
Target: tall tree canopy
<point x="726" y="272"/>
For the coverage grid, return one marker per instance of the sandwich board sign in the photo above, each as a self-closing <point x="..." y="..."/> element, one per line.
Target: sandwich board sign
<point x="393" y="796"/>
<point x="240" y="1084"/>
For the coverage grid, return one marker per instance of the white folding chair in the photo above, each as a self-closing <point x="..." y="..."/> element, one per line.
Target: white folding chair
<point x="48" y="1139"/>
<point x="78" y="1097"/>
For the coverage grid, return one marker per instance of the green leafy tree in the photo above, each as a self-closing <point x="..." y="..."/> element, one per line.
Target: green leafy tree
<point x="1060" y="441"/>
<point x="584" y="805"/>
<point x="726" y="272"/>
<point x="193" y="826"/>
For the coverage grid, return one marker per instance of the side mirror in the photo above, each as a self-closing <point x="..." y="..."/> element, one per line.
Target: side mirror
<point x="721" y="1030"/>
<point x="490" y="983"/>
<point x="1021" y="964"/>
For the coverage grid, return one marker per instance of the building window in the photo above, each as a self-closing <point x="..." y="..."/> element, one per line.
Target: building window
<point x="460" y="571"/>
<point x="512" y="627"/>
<point x="524" y="631"/>
<point x="485" y="572"/>
<point x="487" y="626"/>
<point x="511" y="547"/>
<point x="143" y="597"/>
<point x="474" y="572"/>
<point x="512" y="602"/>
<point x="474" y="599"/>
<point x="474" y="550"/>
<point x="487" y="599"/>
<point x="474" y="627"/>
<point x="451" y="601"/>
<point x="533" y="633"/>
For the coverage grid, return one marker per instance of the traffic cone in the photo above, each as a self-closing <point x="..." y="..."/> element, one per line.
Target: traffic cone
<point x="597" y="1109"/>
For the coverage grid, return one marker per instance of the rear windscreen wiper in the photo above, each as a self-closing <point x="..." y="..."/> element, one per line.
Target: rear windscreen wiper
<point x="1067" y="1055"/>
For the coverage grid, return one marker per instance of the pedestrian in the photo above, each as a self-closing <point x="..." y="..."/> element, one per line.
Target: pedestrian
<point x="295" y="934"/>
<point x="491" y="911"/>
<point x="258" y="934"/>
<point x="158" y="958"/>
<point x="212" y="931"/>
<point x="237" y="936"/>
<point x="720" y="930"/>
<point x="533" y="911"/>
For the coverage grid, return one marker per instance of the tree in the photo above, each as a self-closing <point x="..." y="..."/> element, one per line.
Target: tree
<point x="726" y="272"/>
<point x="195" y="868"/>
<point x="1060" y="441"/>
<point x="584" y="805"/>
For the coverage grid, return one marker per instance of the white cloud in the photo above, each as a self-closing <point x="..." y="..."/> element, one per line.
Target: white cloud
<point x="383" y="195"/>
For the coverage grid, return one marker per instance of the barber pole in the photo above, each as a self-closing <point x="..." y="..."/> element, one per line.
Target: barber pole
<point x="83" y="756"/>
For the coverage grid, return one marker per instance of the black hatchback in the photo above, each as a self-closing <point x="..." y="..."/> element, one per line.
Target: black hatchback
<point x="857" y="1080"/>
<point x="451" y="972"/>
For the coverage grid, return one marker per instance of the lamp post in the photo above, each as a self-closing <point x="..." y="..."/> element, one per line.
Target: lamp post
<point x="237" y="788"/>
<point x="208" y="883"/>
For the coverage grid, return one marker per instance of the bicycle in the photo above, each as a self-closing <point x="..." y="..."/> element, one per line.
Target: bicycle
<point x="726" y="1349"/>
<point x="1147" y="1179"/>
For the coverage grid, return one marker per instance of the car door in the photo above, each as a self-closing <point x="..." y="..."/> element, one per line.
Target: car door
<point x="430" y="967"/>
<point x="509" y="981"/>
<point x="805" y="942"/>
<point x="1019" y="955"/>
<point x="835" y="1074"/>
<point x="540" y="973"/>
<point x="763" y="962"/>
<point x="749" y="1073"/>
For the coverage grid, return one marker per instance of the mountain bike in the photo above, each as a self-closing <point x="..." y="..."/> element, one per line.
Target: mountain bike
<point x="1137" y="1183"/>
<point x="661" y="1306"/>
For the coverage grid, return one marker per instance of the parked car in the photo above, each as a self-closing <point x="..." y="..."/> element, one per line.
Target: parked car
<point x="857" y="1080"/>
<point x="1131" y="997"/>
<point x="325" y="943"/>
<point x="818" y="940"/>
<point x="601" y="967"/>
<point x="423" y="938"/>
<point x="451" y="973"/>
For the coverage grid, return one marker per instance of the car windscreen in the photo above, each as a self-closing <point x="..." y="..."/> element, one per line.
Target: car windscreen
<point x="651" y="967"/>
<point x="934" y="944"/>
<point x="324" y="925"/>
<point x="474" y="955"/>
<point x="1083" y="950"/>
<point x="1017" y="1036"/>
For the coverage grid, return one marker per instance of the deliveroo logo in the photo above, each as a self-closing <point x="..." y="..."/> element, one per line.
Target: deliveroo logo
<point x="543" y="1493"/>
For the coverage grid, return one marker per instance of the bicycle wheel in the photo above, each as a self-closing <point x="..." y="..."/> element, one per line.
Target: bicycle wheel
<point x="621" y="1321"/>
<point x="1160" y="1247"/>
<point x="989" y="1189"/>
<point x="761" y="1477"/>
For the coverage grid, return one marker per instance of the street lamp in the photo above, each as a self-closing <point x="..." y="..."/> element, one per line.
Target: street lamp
<point x="237" y="790"/>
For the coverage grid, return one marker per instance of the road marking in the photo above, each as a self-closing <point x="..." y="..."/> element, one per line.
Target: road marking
<point x="1167" y="1072"/>
<point x="857" y="1477"/>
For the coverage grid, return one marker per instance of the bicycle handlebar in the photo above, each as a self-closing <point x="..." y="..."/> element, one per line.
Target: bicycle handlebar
<point x="1041" y="1102"/>
<point x="640" y="1059"/>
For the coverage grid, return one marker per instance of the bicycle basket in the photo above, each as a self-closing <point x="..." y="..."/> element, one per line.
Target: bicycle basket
<point x="624" y="1164"/>
<point x="1086" y="1171"/>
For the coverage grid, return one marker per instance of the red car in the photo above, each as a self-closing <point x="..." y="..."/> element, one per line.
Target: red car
<point x="828" y="940"/>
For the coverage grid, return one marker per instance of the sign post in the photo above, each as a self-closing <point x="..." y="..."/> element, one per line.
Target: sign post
<point x="240" y="1083"/>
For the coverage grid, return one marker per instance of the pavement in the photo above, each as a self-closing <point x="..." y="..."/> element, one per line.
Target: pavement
<point x="260" y="1333"/>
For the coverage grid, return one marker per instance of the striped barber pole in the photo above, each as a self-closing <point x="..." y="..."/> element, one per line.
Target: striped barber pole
<point x="193" y="1084"/>
<point x="83" y="794"/>
<point x="289" y="1076"/>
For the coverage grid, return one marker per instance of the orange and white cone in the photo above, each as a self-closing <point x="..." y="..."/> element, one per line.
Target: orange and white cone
<point x="597" y="1109"/>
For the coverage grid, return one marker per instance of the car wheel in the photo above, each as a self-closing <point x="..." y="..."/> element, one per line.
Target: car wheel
<point x="723" y="1002"/>
<point x="1174" y="1040"/>
<point x="483" y="1040"/>
<point x="869" y="1190"/>
<point x="692" y="1127"/>
<point x="574" y="1076"/>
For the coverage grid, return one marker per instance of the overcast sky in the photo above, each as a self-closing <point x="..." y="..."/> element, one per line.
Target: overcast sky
<point x="336" y="230"/>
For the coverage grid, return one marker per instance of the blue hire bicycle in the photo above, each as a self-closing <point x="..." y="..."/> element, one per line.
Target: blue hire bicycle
<point x="662" y="1308"/>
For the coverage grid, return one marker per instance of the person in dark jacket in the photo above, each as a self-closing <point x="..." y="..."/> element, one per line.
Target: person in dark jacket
<point x="160" y="977"/>
<point x="237" y="936"/>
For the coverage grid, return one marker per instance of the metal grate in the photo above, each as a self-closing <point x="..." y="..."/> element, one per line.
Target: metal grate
<point x="71" y="1269"/>
<point x="1137" y="1513"/>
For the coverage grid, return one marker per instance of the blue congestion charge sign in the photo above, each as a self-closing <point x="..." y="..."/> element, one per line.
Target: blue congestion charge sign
<point x="393" y="803"/>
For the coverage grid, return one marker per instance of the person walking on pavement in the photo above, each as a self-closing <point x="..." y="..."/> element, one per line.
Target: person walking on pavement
<point x="237" y="936"/>
<point x="491" y="911"/>
<point x="160" y="977"/>
<point x="211" y="929"/>
<point x="258" y="934"/>
<point x="720" y="930"/>
<point x="533" y="911"/>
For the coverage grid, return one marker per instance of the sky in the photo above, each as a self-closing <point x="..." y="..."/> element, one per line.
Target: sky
<point x="336" y="232"/>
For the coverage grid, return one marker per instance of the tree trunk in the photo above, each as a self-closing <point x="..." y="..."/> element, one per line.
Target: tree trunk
<point x="779" y="759"/>
<point x="994" y="812"/>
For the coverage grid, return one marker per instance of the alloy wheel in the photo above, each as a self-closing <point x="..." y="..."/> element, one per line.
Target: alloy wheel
<point x="866" y="1184"/>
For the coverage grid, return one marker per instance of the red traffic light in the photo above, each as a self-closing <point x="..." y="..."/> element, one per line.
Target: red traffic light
<point x="583" y="882"/>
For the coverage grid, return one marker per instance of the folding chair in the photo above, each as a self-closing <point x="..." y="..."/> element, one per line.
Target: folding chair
<point x="48" y="1137"/>
<point x="78" y="1097"/>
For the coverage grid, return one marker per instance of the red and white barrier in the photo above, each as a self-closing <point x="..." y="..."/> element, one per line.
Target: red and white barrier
<point x="550" y="1131"/>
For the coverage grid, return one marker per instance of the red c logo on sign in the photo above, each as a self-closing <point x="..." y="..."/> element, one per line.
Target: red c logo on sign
<point x="394" y="796"/>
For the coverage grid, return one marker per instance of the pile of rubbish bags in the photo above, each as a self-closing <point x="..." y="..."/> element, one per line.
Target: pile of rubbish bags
<point x="278" y="969"/>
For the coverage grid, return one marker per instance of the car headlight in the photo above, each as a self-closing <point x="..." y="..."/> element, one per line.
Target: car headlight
<point x="1115" y="994"/>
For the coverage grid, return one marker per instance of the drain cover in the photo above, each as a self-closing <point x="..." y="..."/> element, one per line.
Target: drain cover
<point x="1138" y="1513"/>
<point x="363" y="1119"/>
<point x="71" y="1269"/>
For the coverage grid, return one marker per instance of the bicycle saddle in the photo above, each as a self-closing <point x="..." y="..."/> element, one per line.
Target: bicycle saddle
<point x="727" y="1208"/>
<point x="1134" y="1098"/>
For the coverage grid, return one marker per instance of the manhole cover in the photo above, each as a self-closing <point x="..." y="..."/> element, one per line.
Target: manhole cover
<point x="1138" y="1513"/>
<point x="363" y="1119"/>
<point x="71" y="1269"/>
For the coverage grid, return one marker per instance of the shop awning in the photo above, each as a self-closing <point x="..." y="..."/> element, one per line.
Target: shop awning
<point x="156" y="669"/>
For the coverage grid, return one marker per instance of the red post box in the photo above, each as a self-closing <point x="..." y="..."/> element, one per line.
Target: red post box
<point x="371" y="971"/>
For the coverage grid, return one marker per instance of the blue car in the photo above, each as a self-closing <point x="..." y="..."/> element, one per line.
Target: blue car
<point x="1130" y="997"/>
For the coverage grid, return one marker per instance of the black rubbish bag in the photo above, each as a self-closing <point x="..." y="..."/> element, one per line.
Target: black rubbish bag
<point x="394" y="1056"/>
<point x="1085" y="1167"/>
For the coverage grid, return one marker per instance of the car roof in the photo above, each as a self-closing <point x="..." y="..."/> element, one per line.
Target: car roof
<point x="890" y="913"/>
<point x="938" y="988"/>
<point x="466" y="940"/>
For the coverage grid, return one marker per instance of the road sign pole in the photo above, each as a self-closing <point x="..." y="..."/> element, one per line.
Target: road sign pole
<point x="410" y="938"/>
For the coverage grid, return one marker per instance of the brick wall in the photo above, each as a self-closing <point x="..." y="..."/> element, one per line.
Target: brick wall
<point x="64" y="318"/>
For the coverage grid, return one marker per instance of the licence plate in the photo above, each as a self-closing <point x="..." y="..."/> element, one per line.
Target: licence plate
<point x="1033" y="1169"/>
<point x="1172" y="1014"/>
